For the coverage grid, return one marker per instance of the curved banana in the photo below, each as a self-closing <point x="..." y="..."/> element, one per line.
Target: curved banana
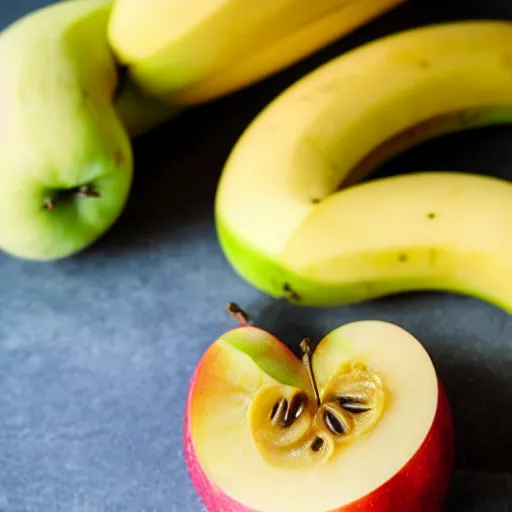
<point x="285" y="226"/>
<point x="190" y="52"/>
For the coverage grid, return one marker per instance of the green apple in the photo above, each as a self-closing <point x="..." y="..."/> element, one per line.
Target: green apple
<point x="66" y="160"/>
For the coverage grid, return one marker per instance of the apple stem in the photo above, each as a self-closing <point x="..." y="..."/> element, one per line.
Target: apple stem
<point x="305" y="346"/>
<point x="238" y="313"/>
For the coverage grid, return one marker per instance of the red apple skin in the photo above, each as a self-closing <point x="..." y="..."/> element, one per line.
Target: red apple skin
<point x="420" y="486"/>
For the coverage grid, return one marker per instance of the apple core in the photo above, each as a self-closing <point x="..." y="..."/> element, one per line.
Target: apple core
<point x="292" y="427"/>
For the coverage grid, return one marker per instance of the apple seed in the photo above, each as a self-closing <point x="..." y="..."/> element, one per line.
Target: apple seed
<point x="353" y="404"/>
<point x="286" y="413"/>
<point x="297" y="406"/>
<point x="317" y="444"/>
<point x="335" y="422"/>
<point x="278" y="411"/>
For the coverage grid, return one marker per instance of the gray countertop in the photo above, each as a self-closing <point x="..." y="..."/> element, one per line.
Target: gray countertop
<point x="96" y="351"/>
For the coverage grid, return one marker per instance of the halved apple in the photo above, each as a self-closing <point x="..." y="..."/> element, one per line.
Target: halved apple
<point x="362" y="424"/>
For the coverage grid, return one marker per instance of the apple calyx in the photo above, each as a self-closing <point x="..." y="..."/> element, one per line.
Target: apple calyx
<point x="293" y="427"/>
<point x="87" y="191"/>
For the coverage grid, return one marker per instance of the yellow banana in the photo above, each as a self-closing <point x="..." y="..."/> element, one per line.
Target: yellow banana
<point x="187" y="53"/>
<point x="287" y="228"/>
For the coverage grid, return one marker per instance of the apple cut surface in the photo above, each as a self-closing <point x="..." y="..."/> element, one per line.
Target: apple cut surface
<point x="399" y="457"/>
